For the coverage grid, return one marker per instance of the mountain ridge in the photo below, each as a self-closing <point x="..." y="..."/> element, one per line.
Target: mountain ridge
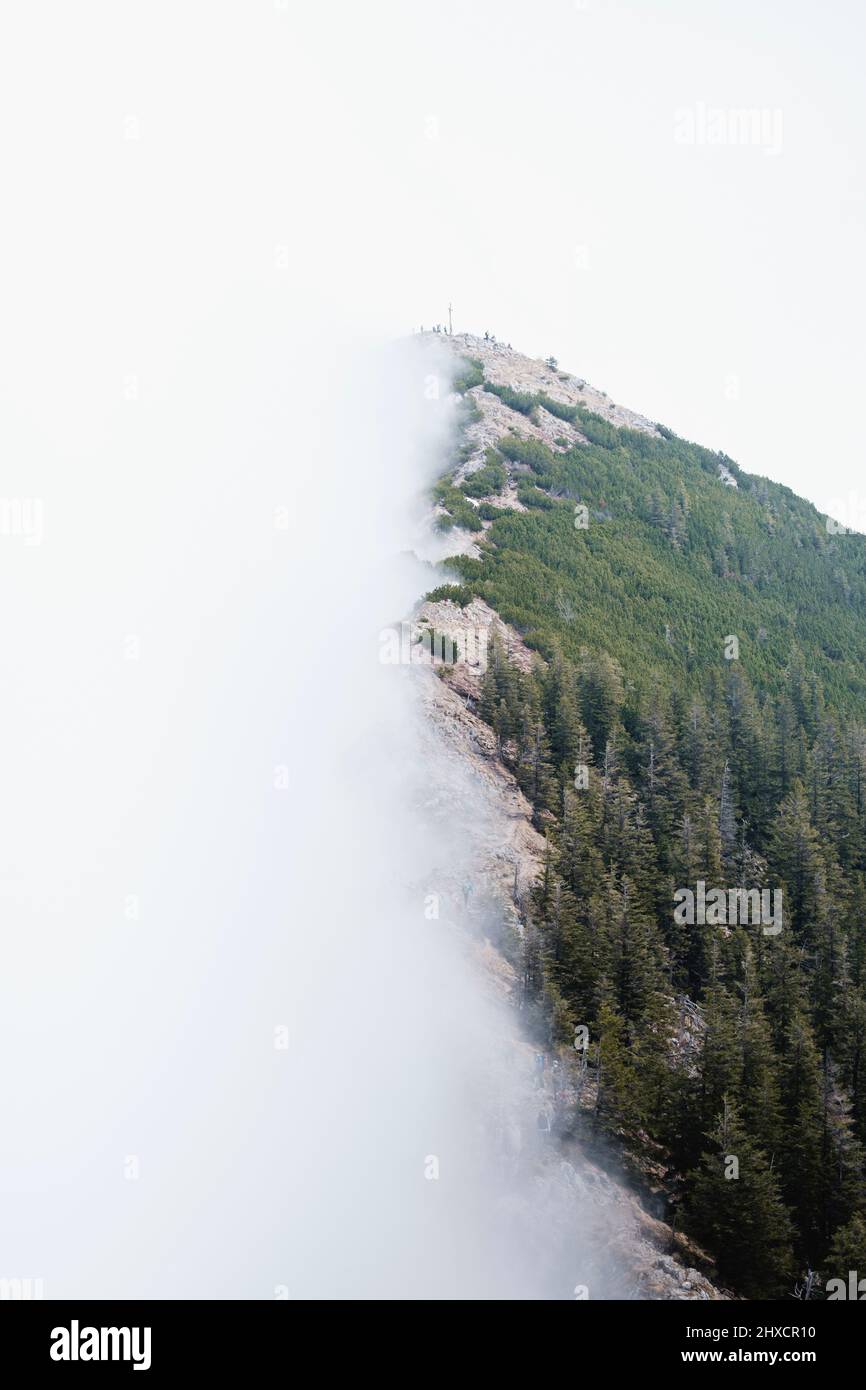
<point x="714" y="552"/>
<point x="674" y="673"/>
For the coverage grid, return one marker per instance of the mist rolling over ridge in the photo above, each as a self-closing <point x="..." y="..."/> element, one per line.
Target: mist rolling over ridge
<point x="433" y="672"/>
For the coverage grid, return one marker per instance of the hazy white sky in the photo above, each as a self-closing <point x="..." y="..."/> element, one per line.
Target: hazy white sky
<point x="521" y="160"/>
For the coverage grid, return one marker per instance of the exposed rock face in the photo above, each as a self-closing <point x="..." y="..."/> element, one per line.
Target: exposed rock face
<point x="591" y="1230"/>
<point x="506" y="849"/>
<point x="498" y="419"/>
<point x="494" y="419"/>
<point x="504" y="367"/>
<point x="470" y="633"/>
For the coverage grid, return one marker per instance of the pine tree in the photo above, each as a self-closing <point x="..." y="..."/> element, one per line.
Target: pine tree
<point x="847" y="1252"/>
<point x="579" y="859"/>
<point x="802" y="1152"/>
<point x="534" y="770"/>
<point x="747" y="771"/>
<point x="663" y="784"/>
<point x="830" y="965"/>
<point x="562" y="717"/>
<point x="601" y="696"/>
<point x="720" y="1067"/>
<point x="794" y="858"/>
<point x="727" y="820"/>
<point x="631" y="952"/>
<point x="760" y="1095"/>
<point x="617" y="1108"/>
<point x="699" y="751"/>
<point x="739" y="1213"/>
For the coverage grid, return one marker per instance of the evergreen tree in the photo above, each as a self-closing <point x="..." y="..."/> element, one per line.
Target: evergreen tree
<point x="847" y="1252"/>
<point x="794" y="859"/>
<point x="601" y="696"/>
<point x="803" y="1150"/>
<point x="739" y="1213"/>
<point x="617" y="1108"/>
<point x="630" y="952"/>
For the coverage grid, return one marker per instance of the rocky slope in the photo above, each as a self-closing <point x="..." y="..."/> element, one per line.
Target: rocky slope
<point x="505" y="367"/>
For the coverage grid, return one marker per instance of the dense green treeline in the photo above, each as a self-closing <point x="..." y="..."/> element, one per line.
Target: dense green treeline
<point x="657" y="754"/>
<point x="671" y="561"/>
<point x="640" y="795"/>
